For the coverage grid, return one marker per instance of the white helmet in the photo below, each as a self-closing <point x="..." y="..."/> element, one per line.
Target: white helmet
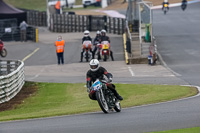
<point x="86" y="33"/>
<point x="103" y="31"/>
<point x="98" y="32"/>
<point x="59" y="37"/>
<point x="94" y="65"/>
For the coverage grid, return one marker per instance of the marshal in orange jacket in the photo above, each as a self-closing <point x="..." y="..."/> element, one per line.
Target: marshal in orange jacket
<point x="57" y="6"/>
<point x="60" y="46"/>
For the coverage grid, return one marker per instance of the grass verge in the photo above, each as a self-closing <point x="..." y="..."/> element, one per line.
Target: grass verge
<point x="33" y="4"/>
<point x="28" y="4"/>
<point x="53" y="99"/>
<point x="186" y="130"/>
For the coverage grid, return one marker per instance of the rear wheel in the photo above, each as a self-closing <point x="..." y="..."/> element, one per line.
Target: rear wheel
<point x="102" y="101"/>
<point x="3" y="52"/>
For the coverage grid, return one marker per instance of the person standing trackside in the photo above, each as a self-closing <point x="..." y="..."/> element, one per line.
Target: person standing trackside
<point x="23" y="26"/>
<point x="60" y="49"/>
<point x="57" y="6"/>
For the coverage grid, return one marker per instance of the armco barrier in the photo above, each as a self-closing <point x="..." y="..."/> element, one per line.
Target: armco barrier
<point x="11" y="79"/>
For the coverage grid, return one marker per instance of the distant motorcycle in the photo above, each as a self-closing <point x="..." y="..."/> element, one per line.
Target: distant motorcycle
<point x="105" y="97"/>
<point x="87" y="46"/>
<point x="165" y="8"/>
<point x="104" y="50"/>
<point x="3" y="51"/>
<point x="184" y="5"/>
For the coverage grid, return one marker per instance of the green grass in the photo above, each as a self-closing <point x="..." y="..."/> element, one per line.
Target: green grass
<point x="28" y="4"/>
<point x="33" y="4"/>
<point x="54" y="99"/>
<point x="82" y="8"/>
<point x="186" y="130"/>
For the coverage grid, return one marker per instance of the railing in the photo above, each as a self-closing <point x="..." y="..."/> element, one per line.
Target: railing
<point x="14" y="35"/>
<point x="11" y="79"/>
<point x="128" y="38"/>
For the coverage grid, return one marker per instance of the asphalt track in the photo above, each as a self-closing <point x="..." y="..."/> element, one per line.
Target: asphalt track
<point x="173" y="41"/>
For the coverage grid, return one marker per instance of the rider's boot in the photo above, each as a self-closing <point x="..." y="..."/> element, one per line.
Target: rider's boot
<point x="115" y="92"/>
<point x="111" y="54"/>
<point x="81" y="57"/>
<point x="93" y="54"/>
<point x="99" y="56"/>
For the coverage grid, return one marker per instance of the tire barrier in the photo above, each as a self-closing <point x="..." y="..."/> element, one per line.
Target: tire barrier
<point x="68" y="23"/>
<point x="76" y="23"/>
<point x="36" y="18"/>
<point x="11" y="79"/>
<point x="79" y="23"/>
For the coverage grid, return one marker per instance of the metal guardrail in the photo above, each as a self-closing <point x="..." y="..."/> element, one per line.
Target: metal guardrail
<point x="11" y="79"/>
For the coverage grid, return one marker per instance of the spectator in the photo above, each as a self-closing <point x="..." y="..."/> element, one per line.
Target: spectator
<point x="57" y="6"/>
<point x="60" y="49"/>
<point x="23" y="26"/>
<point x="98" y="3"/>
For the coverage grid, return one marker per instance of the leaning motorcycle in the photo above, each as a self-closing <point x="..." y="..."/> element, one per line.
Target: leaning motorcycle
<point x="87" y="46"/>
<point x="105" y="97"/>
<point x="104" y="52"/>
<point x="3" y="51"/>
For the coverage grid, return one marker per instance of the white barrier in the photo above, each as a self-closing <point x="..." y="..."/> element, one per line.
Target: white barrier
<point x="11" y="79"/>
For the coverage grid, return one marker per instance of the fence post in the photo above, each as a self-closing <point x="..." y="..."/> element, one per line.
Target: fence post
<point x="105" y="23"/>
<point x="36" y="35"/>
<point x="90" y="22"/>
<point x="123" y="25"/>
<point x="118" y="27"/>
<point x="114" y="25"/>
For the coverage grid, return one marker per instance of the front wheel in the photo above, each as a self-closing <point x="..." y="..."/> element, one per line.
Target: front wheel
<point x="3" y="52"/>
<point x="102" y="101"/>
<point x="87" y="56"/>
<point x="117" y="107"/>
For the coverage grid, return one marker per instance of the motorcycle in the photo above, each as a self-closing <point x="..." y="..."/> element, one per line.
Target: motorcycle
<point x="165" y="8"/>
<point x="87" y="46"/>
<point x="105" y="97"/>
<point x="184" y="5"/>
<point x="104" y="51"/>
<point x="3" y="51"/>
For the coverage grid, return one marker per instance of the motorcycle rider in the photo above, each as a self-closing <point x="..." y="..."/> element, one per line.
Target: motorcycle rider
<point x="163" y="4"/>
<point x="106" y="38"/>
<point x="86" y="37"/>
<point x="96" y="41"/>
<point x="97" y="72"/>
